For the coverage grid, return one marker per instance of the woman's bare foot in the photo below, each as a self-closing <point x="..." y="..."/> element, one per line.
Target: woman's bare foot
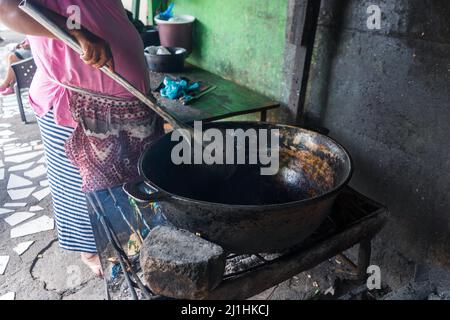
<point x="92" y="260"/>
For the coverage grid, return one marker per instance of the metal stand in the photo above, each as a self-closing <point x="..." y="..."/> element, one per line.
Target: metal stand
<point x="365" y="250"/>
<point x="354" y="220"/>
<point x="129" y="273"/>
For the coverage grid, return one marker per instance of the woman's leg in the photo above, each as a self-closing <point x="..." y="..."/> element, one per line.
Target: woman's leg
<point x="69" y="202"/>
<point x="10" y="78"/>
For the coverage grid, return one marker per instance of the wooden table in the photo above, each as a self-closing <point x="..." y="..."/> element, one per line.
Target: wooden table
<point x="227" y="100"/>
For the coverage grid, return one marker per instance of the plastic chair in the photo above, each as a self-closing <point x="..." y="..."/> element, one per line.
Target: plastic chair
<point x="24" y="71"/>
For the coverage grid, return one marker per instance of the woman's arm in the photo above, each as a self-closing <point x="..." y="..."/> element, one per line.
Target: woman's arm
<point x="17" y="20"/>
<point x="97" y="52"/>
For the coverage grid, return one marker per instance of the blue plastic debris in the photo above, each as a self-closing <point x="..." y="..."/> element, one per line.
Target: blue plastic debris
<point x="166" y="15"/>
<point x="175" y="89"/>
<point x="116" y="270"/>
<point x="145" y="232"/>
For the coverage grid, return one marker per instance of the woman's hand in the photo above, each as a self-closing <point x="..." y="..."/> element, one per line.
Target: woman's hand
<point x="97" y="52"/>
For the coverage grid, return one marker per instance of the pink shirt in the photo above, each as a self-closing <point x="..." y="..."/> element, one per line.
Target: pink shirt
<point x="108" y="20"/>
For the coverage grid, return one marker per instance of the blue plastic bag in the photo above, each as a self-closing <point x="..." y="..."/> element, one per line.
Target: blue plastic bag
<point x="175" y="89"/>
<point x="166" y="15"/>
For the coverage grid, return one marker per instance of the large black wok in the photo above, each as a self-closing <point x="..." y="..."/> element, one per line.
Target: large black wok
<point x="249" y="212"/>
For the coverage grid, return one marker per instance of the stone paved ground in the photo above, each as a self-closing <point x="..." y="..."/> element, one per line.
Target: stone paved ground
<point x="43" y="271"/>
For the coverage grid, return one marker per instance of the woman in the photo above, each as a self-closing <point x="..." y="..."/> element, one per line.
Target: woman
<point x="89" y="124"/>
<point x="21" y="51"/>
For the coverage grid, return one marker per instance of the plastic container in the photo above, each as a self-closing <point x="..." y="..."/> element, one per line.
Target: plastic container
<point x="150" y="37"/>
<point x="171" y="63"/>
<point x="176" y="32"/>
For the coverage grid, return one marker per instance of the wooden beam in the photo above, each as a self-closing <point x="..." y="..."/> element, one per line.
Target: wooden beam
<point x="303" y="16"/>
<point x="135" y="8"/>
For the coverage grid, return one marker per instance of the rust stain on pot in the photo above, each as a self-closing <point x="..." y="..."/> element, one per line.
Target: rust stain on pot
<point x="318" y="173"/>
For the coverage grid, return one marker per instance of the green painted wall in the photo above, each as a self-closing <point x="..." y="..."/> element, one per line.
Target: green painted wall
<point x="241" y="40"/>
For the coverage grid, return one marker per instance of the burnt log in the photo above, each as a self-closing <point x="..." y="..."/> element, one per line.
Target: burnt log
<point x="178" y="264"/>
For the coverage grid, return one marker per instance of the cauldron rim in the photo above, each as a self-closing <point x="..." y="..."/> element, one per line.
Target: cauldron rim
<point x="303" y="202"/>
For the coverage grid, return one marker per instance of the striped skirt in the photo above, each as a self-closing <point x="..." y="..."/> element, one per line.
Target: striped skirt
<point x="69" y="202"/>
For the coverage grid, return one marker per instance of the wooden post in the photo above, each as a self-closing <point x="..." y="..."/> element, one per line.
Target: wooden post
<point x="303" y="16"/>
<point x="136" y="6"/>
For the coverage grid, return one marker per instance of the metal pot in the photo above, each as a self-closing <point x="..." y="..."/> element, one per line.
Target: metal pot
<point x="249" y="213"/>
